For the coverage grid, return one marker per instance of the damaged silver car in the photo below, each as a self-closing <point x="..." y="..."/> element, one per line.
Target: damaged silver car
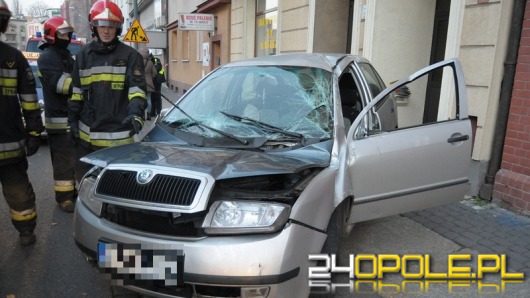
<point x="264" y="162"/>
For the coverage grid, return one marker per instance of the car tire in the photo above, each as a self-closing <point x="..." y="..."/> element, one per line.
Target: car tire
<point x="336" y="232"/>
<point x="338" y="228"/>
<point x="332" y="243"/>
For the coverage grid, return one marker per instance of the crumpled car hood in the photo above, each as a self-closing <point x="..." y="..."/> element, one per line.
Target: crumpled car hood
<point x="220" y="163"/>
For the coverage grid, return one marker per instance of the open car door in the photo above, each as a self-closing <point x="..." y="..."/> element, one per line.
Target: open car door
<point x="424" y="161"/>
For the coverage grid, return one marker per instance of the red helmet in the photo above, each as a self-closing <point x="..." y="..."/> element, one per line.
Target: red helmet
<point x="5" y="14"/>
<point x="106" y="13"/>
<point x="53" y="25"/>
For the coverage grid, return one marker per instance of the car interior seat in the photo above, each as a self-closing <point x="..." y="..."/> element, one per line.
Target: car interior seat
<point x="270" y="98"/>
<point x="350" y="99"/>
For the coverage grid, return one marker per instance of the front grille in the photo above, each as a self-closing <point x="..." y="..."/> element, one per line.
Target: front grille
<point x="163" y="189"/>
<point x="158" y="222"/>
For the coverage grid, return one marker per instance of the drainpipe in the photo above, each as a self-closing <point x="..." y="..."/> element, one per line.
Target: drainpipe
<point x="510" y="63"/>
<point x="135" y="6"/>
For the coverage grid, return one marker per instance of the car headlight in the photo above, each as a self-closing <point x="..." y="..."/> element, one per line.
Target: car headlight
<point x="86" y="194"/>
<point x="245" y="217"/>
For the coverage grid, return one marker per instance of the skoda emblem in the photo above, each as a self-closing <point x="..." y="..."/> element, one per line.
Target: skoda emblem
<point x="145" y="176"/>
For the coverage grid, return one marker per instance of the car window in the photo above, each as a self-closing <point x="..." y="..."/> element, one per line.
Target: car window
<point x="295" y="99"/>
<point x="33" y="46"/>
<point x="375" y="83"/>
<point x="350" y="98"/>
<point x="429" y="99"/>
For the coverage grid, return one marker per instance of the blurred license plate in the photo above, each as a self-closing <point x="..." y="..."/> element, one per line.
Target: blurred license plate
<point x="130" y="263"/>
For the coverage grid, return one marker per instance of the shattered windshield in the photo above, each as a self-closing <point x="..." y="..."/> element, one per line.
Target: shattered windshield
<point x="278" y="103"/>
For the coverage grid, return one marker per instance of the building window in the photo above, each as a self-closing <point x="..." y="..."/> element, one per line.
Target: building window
<point x="266" y="27"/>
<point x="10" y="37"/>
<point x="185" y="46"/>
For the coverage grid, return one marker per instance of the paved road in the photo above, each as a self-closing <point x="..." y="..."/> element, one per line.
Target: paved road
<point x="485" y="228"/>
<point x="53" y="267"/>
<point x="416" y="233"/>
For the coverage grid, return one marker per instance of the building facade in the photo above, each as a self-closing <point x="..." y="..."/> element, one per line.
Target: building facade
<point x="76" y="13"/>
<point x="193" y="54"/>
<point x="152" y="17"/>
<point x="33" y="26"/>
<point x="16" y="34"/>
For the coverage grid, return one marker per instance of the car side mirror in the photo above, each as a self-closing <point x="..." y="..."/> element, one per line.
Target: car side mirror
<point x="361" y="131"/>
<point x="162" y="114"/>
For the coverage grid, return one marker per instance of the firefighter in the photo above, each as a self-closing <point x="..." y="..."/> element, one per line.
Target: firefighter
<point x="109" y="90"/>
<point x="20" y="128"/>
<point x="55" y="66"/>
<point x="156" y="98"/>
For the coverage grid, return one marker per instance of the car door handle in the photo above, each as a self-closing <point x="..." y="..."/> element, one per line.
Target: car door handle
<point x="458" y="139"/>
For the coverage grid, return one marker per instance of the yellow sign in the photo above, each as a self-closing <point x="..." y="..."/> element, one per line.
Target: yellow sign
<point x="136" y="33"/>
<point x="31" y="55"/>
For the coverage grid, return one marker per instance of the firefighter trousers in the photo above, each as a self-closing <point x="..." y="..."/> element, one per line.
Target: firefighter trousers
<point x="19" y="195"/>
<point x="63" y="154"/>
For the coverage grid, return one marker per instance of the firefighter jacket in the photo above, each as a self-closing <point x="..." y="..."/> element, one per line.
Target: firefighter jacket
<point x="55" y="67"/>
<point x="18" y="97"/>
<point x="108" y="86"/>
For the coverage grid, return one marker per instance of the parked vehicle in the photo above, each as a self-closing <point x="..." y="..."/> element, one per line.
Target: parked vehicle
<point x="263" y="162"/>
<point x="32" y="46"/>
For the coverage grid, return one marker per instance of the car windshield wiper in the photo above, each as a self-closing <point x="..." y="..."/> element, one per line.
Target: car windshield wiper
<point x="202" y="126"/>
<point x="266" y="126"/>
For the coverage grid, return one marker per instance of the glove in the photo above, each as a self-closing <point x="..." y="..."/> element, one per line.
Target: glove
<point x="73" y="134"/>
<point x="74" y="110"/>
<point x="32" y="143"/>
<point x="136" y="122"/>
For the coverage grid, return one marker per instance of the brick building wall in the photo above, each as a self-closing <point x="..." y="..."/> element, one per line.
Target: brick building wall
<point x="512" y="182"/>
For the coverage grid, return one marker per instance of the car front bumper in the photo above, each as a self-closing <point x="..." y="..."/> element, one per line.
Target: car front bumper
<point x="278" y="261"/>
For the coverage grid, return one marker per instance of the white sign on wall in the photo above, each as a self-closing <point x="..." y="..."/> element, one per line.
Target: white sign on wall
<point x="196" y="21"/>
<point x="206" y="54"/>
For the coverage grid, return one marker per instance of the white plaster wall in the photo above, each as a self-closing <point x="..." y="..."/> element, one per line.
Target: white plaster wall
<point x="175" y="7"/>
<point x="398" y="42"/>
<point x="294" y="30"/>
<point x="401" y="36"/>
<point x="237" y="31"/>
<point x="483" y="50"/>
<point x="147" y="17"/>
